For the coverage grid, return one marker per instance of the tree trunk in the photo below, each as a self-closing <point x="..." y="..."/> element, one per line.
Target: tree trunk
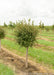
<point x="27" y="58"/>
<point x="0" y="44"/>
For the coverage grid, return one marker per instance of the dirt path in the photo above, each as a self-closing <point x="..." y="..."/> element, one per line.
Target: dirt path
<point x="17" y="63"/>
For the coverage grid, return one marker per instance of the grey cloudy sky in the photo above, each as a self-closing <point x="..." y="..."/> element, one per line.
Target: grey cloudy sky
<point x="12" y="10"/>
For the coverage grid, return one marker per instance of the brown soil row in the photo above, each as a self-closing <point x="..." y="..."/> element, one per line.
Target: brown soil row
<point x="10" y="39"/>
<point x="42" y="38"/>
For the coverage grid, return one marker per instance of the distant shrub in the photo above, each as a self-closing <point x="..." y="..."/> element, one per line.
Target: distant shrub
<point x="47" y="28"/>
<point x="52" y="27"/>
<point x="5" y="25"/>
<point x="41" y="25"/>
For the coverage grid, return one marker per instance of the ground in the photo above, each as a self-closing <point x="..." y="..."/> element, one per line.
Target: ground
<point x="41" y="55"/>
<point x="17" y="63"/>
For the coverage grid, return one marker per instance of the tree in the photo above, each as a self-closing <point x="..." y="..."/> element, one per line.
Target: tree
<point x="2" y="35"/>
<point x="5" y="25"/>
<point x="53" y="27"/>
<point x="42" y="26"/>
<point x="14" y="25"/>
<point x="47" y="28"/>
<point x="26" y="35"/>
<point x="10" y="24"/>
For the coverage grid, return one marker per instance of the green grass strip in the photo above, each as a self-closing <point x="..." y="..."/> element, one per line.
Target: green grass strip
<point x="47" y="43"/>
<point x="10" y="36"/>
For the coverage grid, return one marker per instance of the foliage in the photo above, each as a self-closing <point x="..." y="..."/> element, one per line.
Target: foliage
<point x="47" y="28"/>
<point x="12" y="24"/>
<point x="26" y="33"/>
<point x="41" y="25"/>
<point x="5" y="25"/>
<point x="2" y="33"/>
<point x="52" y="27"/>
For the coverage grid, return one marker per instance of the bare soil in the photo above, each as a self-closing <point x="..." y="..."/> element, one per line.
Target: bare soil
<point x="17" y="63"/>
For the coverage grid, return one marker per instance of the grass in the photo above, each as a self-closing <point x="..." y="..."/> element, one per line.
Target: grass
<point x="39" y="55"/>
<point x="45" y="33"/>
<point x="4" y="70"/>
<point x="9" y="31"/>
<point x="51" y="38"/>
<point x="43" y="54"/>
<point x="10" y="36"/>
<point x="46" y="43"/>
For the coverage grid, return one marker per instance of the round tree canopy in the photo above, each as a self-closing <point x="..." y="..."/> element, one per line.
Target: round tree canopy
<point x="26" y="34"/>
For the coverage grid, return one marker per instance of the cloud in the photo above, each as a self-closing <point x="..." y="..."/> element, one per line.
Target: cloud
<point x="36" y="9"/>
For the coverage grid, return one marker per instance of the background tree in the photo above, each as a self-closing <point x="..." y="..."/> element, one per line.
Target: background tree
<point x="40" y="24"/>
<point x="2" y="35"/>
<point x="53" y="27"/>
<point x="10" y="24"/>
<point x="5" y="25"/>
<point x="47" y="28"/>
<point x="14" y="25"/>
<point x="26" y="36"/>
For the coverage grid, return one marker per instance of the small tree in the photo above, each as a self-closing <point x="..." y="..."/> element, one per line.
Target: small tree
<point x="5" y="25"/>
<point x="47" y="28"/>
<point x="53" y="27"/>
<point x="42" y="26"/>
<point x="26" y="35"/>
<point x="2" y="34"/>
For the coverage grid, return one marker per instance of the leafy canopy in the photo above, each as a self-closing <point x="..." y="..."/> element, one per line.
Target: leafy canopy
<point x="26" y="33"/>
<point x="2" y="33"/>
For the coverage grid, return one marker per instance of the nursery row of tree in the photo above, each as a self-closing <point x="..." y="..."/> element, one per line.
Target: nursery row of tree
<point x="41" y="25"/>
